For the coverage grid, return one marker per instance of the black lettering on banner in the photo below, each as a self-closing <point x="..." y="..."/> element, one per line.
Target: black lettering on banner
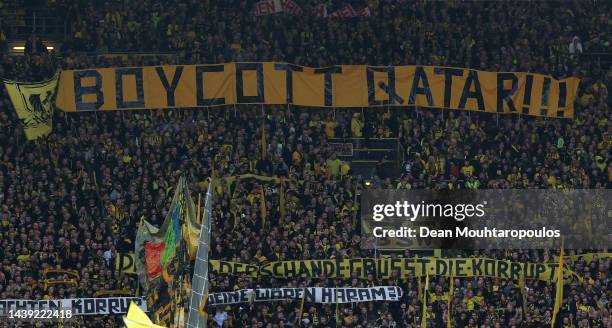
<point x="378" y="293"/>
<point x="505" y="95"/>
<point x="137" y="73"/>
<point x="310" y="294"/>
<point x="225" y="267"/>
<point x="502" y="269"/>
<point x="562" y="99"/>
<point x="125" y="303"/>
<point x="420" y="76"/>
<point x="394" y="292"/>
<point x="327" y="294"/>
<point x="389" y="88"/>
<point x="238" y="267"/>
<point x="364" y="294"/>
<point x="515" y="270"/>
<point x="340" y="267"/>
<point x="355" y="267"/>
<point x="113" y="305"/>
<point x="409" y="269"/>
<point x="289" y="69"/>
<point x="472" y="78"/>
<point x="263" y="294"/>
<point x="289" y="293"/>
<point x="396" y="265"/>
<point x="489" y="267"/>
<point x="240" y="97"/>
<point x="77" y="305"/>
<point x="232" y="297"/>
<point x="529" y="270"/>
<point x="441" y="267"/>
<point x="339" y="295"/>
<point x="328" y="85"/>
<point x="448" y="81"/>
<point x="304" y="269"/>
<point x="244" y="295"/>
<point x="218" y="298"/>
<point x="351" y="294"/>
<point x="477" y="267"/>
<point x="251" y="270"/>
<point x="170" y="87"/>
<point x="424" y="263"/>
<point x="289" y="267"/>
<point x="545" y="96"/>
<point x="276" y="293"/>
<point x="329" y="268"/>
<point x="265" y="271"/>
<point x="89" y="306"/>
<point x="126" y="261"/>
<point x="369" y="266"/>
<point x="276" y="269"/>
<point x="459" y="266"/>
<point x="101" y="306"/>
<point x="527" y="97"/>
<point x="80" y="90"/>
<point x="383" y="267"/>
<point x="316" y="268"/>
<point x="201" y="98"/>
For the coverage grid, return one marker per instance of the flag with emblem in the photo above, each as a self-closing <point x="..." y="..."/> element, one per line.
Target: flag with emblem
<point x="34" y="103"/>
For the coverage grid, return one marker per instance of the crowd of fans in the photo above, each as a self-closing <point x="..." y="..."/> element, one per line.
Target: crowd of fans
<point x="74" y="199"/>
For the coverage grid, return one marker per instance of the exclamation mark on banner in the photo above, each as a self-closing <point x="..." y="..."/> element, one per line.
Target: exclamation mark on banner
<point x="562" y="99"/>
<point x="545" y="96"/>
<point x="527" y="97"/>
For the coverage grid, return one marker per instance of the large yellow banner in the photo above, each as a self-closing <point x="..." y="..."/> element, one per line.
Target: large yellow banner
<point x="388" y="268"/>
<point x="338" y="86"/>
<point x="379" y="267"/>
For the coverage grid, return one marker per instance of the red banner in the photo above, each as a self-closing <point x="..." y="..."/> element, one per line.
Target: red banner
<point x="153" y="252"/>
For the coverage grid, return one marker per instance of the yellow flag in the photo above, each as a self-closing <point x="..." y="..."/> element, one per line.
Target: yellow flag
<point x="424" y="315"/>
<point x="192" y="235"/>
<point x="559" y="292"/>
<point x="34" y="104"/>
<point x="136" y="318"/>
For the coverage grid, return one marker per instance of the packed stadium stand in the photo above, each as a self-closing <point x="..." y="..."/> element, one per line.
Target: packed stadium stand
<point x="73" y="200"/>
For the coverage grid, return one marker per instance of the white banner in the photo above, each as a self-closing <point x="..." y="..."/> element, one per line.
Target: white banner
<point x="313" y="295"/>
<point x="79" y="306"/>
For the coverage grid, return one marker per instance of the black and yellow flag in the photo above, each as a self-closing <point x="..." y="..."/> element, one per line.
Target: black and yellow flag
<point x="34" y="103"/>
<point x="559" y="291"/>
